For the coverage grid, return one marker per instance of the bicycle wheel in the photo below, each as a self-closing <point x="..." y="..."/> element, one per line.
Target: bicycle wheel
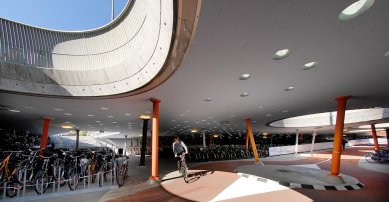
<point x="59" y="172"/>
<point x="73" y="179"/>
<point x="184" y="172"/>
<point x="12" y="188"/>
<point x="121" y="175"/>
<point x="26" y="169"/>
<point x="41" y="182"/>
<point x="369" y="158"/>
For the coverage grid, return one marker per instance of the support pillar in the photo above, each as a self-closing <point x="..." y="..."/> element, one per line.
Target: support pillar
<point x="296" y="146"/>
<point x="45" y="134"/>
<point x="77" y="138"/>
<point x="338" y="136"/>
<point x="374" y="133"/>
<point x="313" y="141"/>
<point x="144" y="143"/>
<point x="204" y="143"/>
<point x="154" y="178"/>
<point x="125" y="146"/>
<point x="387" y="137"/>
<point x="250" y="134"/>
<point x="247" y="139"/>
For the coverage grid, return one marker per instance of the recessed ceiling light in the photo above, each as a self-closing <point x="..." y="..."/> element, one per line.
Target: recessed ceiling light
<point x="208" y="99"/>
<point x="104" y="108"/>
<point x="309" y="65"/>
<point x="244" y="94"/>
<point x="186" y="121"/>
<point x="29" y="107"/>
<point x="244" y="77"/>
<point x="386" y="54"/>
<point x="173" y="120"/>
<point x="98" y="121"/>
<point x="285" y="111"/>
<point x="281" y="54"/>
<point x="268" y="114"/>
<point x="290" y="88"/>
<point x="101" y="124"/>
<point x="182" y="115"/>
<point x="114" y="122"/>
<point x="110" y="116"/>
<point x="60" y="110"/>
<point x="193" y="130"/>
<point x="14" y="110"/>
<point x="145" y="116"/>
<point x="355" y="9"/>
<point x="90" y="115"/>
<point x="128" y="114"/>
<point x="67" y="114"/>
<point x="67" y="122"/>
<point x="67" y="126"/>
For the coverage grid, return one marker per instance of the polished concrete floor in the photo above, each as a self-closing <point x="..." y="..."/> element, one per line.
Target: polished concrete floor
<point x="216" y="181"/>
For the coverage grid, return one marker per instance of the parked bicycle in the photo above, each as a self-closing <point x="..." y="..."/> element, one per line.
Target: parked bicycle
<point x="380" y="156"/>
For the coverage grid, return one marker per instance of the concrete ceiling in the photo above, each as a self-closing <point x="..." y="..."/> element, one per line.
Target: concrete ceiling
<point x="237" y="37"/>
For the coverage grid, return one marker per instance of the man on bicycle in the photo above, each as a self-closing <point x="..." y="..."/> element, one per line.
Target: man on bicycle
<point x="179" y="148"/>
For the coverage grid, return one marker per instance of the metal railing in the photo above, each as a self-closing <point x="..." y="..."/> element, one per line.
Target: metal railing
<point x="25" y="191"/>
<point x="34" y="46"/>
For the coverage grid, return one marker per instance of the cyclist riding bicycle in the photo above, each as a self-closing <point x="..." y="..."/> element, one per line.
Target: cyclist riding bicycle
<point x="179" y="148"/>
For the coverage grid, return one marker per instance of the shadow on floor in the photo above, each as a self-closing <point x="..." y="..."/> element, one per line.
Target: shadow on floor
<point x="193" y="176"/>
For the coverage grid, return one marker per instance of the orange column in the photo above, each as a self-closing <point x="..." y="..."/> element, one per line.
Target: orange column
<point x="45" y="134"/>
<point x="374" y="133"/>
<point x="250" y="133"/>
<point x="154" y="142"/>
<point x="338" y="136"/>
<point x="247" y="139"/>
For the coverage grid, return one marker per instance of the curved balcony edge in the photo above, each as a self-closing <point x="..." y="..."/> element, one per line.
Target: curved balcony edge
<point x="30" y="80"/>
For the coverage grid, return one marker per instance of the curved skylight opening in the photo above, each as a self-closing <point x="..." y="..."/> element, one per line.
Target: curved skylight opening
<point x="329" y="118"/>
<point x="65" y="15"/>
<point x="355" y="9"/>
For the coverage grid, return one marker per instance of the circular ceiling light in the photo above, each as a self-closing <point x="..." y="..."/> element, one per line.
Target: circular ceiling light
<point x="281" y="54"/>
<point x="290" y="88"/>
<point x="104" y="108"/>
<point x="90" y="115"/>
<point x="208" y="99"/>
<point x="355" y="9"/>
<point x="14" y="110"/>
<point x="110" y="117"/>
<point x="67" y="114"/>
<point x="60" y="110"/>
<point x="128" y="114"/>
<point x="285" y="111"/>
<point x="309" y="65"/>
<point x="386" y="54"/>
<point x="67" y="126"/>
<point x="144" y="116"/>
<point x="244" y="77"/>
<point x="268" y="114"/>
<point x="244" y="94"/>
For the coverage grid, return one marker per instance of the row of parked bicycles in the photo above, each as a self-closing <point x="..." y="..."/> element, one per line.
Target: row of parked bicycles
<point x="224" y="152"/>
<point x="380" y="156"/>
<point x="48" y="167"/>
